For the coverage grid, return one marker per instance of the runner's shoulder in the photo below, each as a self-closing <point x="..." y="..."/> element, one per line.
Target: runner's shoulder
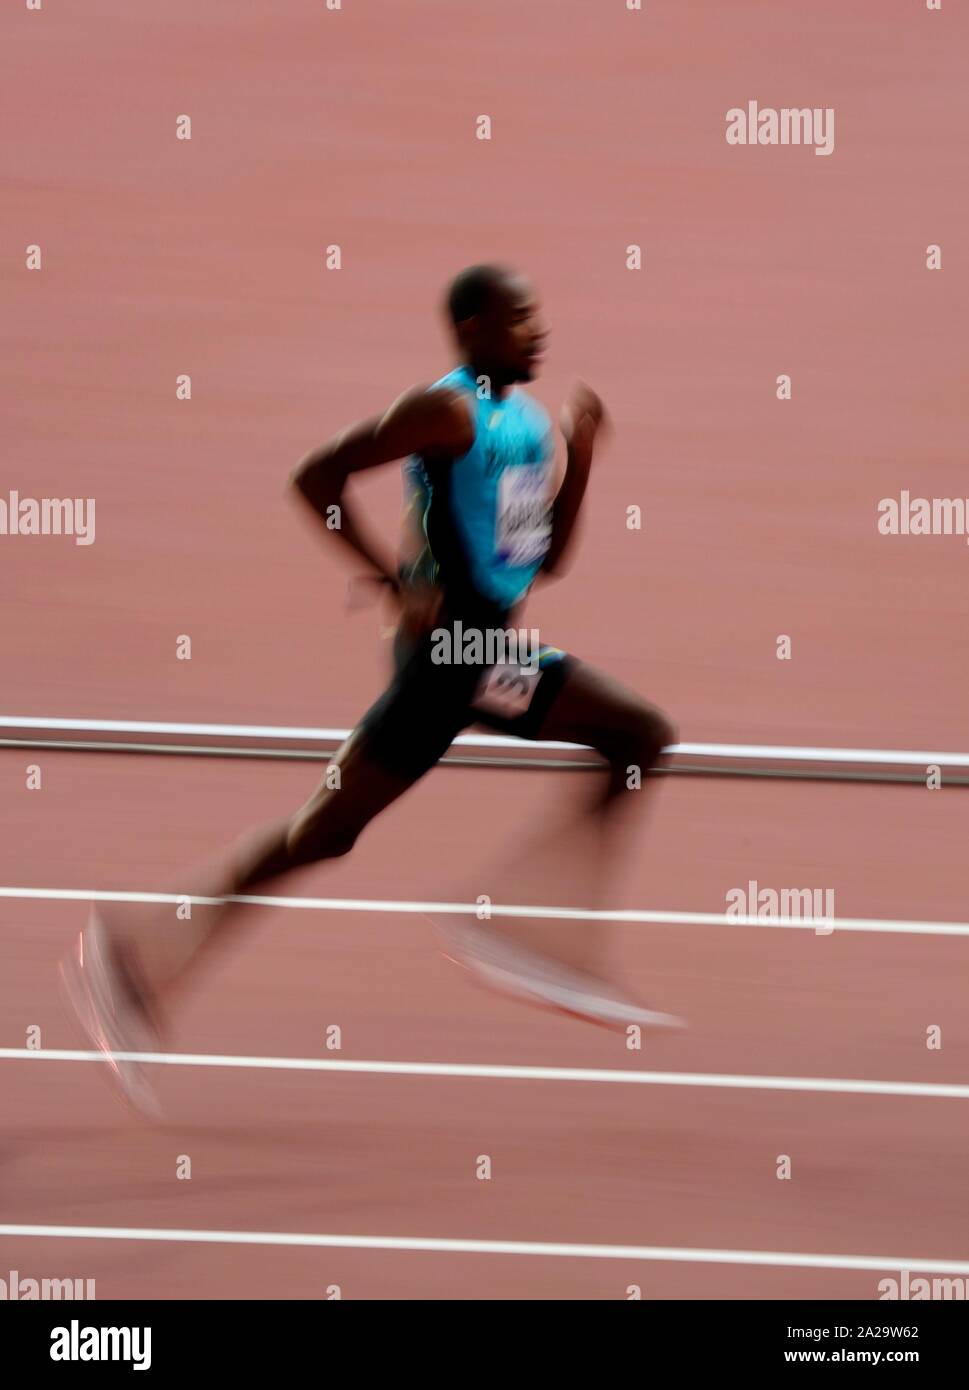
<point x="442" y="411"/>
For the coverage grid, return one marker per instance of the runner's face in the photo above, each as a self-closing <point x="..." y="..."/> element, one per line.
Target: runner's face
<point x="512" y="332"/>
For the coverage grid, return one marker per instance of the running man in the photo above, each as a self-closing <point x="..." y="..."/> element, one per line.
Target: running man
<point x="482" y="520"/>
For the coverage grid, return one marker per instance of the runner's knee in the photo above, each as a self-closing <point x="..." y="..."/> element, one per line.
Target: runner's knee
<point x="311" y="839"/>
<point x="638" y="737"/>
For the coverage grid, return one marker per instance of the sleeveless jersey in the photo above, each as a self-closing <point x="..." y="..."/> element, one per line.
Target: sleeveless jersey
<point x="484" y="519"/>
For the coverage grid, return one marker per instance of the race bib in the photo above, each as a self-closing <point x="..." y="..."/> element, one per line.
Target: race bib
<point x="507" y="690"/>
<point x="524" y="514"/>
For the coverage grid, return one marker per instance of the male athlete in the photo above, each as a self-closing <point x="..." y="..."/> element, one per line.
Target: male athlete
<point x="482" y="520"/>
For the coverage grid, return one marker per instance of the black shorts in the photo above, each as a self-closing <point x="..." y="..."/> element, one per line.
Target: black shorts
<point x="431" y="700"/>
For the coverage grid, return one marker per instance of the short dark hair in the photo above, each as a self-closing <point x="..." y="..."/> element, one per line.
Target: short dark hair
<point x="473" y="290"/>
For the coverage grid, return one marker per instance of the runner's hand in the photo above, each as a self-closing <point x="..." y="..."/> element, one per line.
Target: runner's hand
<point x="582" y="416"/>
<point x="419" y="605"/>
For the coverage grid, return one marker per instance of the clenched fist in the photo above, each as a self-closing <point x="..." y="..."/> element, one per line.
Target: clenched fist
<point x="582" y="416"/>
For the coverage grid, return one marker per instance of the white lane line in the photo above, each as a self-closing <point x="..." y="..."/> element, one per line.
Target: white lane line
<point x="711" y="1080"/>
<point x="766" y="752"/>
<point x="251" y="731"/>
<point x="822" y="925"/>
<point x="663" y="1253"/>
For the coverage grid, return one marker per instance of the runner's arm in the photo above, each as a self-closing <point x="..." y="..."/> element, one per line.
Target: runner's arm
<point x="422" y="421"/>
<point x="582" y="419"/>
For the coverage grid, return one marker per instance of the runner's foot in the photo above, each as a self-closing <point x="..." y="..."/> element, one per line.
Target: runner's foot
<point x="112" y="1011"/>
<point x="516" y="970"/>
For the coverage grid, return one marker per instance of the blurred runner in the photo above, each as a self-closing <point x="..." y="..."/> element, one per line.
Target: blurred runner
<point x="482" y="520"/>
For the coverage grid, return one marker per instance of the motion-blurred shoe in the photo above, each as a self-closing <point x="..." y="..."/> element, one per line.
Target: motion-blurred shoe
<point x="525" y="974"/>
<point x="112" y="1013"/>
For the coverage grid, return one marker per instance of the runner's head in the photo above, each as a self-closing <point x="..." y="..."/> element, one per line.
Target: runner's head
<point x="497" y="322"/>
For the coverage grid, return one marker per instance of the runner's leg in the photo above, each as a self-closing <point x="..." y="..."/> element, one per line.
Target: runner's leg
<point x="578" y="860"/>
<point x="326" y="827"/>
<point x="400" y="738"/>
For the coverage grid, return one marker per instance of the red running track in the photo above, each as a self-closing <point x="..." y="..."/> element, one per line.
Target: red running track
<point x="206" y="257"/>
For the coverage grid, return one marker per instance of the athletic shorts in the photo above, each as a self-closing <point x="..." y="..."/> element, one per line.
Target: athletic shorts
<point x="432" y="698"/>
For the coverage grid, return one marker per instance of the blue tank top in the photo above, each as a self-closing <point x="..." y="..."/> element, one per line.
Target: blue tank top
<point x="485" y="517"/>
